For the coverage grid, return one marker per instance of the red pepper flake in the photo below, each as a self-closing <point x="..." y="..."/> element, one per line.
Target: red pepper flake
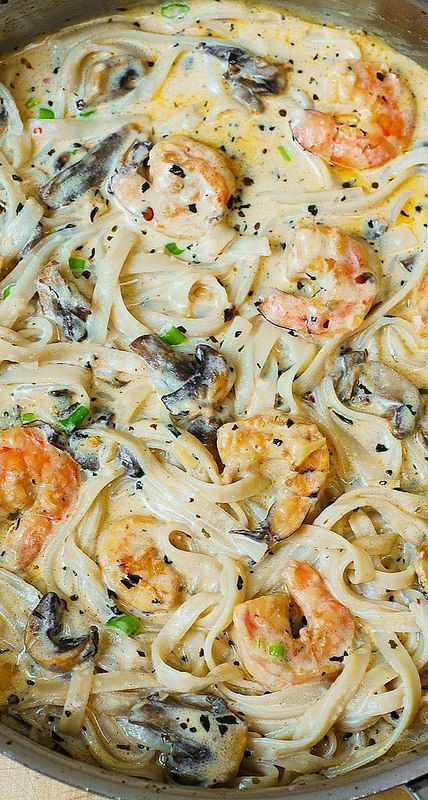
<point x="148" y="214"/>
<point x="37" y="131"/>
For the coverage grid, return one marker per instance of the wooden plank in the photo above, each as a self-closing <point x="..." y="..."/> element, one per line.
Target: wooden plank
<point x="24" y="784"/>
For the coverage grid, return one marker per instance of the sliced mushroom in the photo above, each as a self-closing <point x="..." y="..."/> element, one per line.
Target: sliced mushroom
<point x="202" y="742"/>
<point x="62" y="303"/>
<point x="34" y="238"/>
<point x="421" y="566"/>
<point x="248" y="76"/>
<point x="200" y="382"/>
<point x="372" y="387"/>
<point x="128" y="460"/>
<point x="3" y="114"/>
<point x="111" y="78"/>
<point x="88" y="173"/>
<point x="43" y="640"/>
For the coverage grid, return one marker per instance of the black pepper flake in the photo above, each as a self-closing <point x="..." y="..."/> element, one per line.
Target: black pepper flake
<point x="205" y="722"/>
<point x="145" y="186"/>
<point x="344" y="419"/>
<point x="380" y="448"/>
<point x="176" y="170"/>
<point x="12" y="700"/>
<point x="277" y="442"/>
<point x="94" y="213"/>
<point x="393" y="645"/>
<point x="192" y="208"/>
<point x="289" y="423"/>
<point x="229" y="313"/>
<point x="239" y="583"/>
<point x="380" y="76"/>
<point x="313" y="210"/>
<point x="222" y="729"/>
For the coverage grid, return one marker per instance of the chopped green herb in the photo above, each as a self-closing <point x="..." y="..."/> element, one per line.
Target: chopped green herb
<point x="172" y="335"/>
<point x="276" y="650"/>
<point x="7" y="290"/>
<point x="88" y="113"/>
<point x="74" y="419"/>
<point x="76" y="264"/>
<point x="262" y="643"/>
<point x="284" y="153"/>
<point x="171" y="247"/>
<point x="32" y="102"/>
<point x="126" y="623"/>
<point x="28" y="417"/>
<point x="174" y="10"/>
<point x="46" y="113"/>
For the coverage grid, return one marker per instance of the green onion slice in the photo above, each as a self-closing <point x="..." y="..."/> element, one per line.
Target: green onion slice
<point x="174" y="10"/>
<point x="88" y="113"/>
<point x="284" y="153"/>
<point x="126" y="623"/>
<point x="28" y="417"/>
<point x="7" y="290"/>
<point x="262" y="643"/>
<point x="172" y="335"/>
<point x="76" y="264"/>
<point x="46" y="113"/>
<point x="172" y="248"/>
<point x="32" y="102"/>
<point x="74" y="419"/>
<point x="276" y="650"/>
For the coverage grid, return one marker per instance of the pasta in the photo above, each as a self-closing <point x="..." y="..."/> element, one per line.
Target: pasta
<point x="213" y="382"/>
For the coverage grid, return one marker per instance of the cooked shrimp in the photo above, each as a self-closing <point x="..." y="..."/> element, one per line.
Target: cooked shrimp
<point x="374" y="122"/>
<point x="291" y="454"/>
<point x="330" y="285"/>
<point x="265" y="641"/>
<point x="38" y="485"/>
<point x="184" y="192"/>
<point x="134" y="569"/>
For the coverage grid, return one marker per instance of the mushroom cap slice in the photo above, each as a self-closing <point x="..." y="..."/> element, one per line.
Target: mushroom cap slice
<point x="63" y="303"/>
<point x="43" y="640"/>
<point x="211" y="382"/>
<point x="111" y="78"/>
<point x="202" y="742"/>
<point x="248" y="76"/>
<point x="74" y="181"/>
<point x="171" y="366"/>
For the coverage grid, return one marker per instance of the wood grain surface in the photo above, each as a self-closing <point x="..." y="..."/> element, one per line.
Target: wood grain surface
<point x="19" y="783"/>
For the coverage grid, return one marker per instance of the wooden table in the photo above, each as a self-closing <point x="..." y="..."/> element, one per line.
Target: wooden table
<point x="19" y="783"/>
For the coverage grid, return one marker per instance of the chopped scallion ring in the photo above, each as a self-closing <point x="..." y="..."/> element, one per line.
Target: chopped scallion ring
<point x="76" y="264"/>
<point x="28" y="417"/>
<point x="32" y="102"/>
<point x="284" y="153"/>
<point x="7" y="290"/>
<point x="126" y="623"/>
<point x="172" y="335"/>
<point x="276" y="650"/>
<point x="88" y="113"/>
<point x="172" y="248"/>
<point x="46" y="113"/>
<point x="174" y="10"/>
<point x="74" y="419"/>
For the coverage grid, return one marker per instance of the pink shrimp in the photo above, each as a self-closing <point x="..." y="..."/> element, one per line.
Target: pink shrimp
<point x="39" y="483"/>
<point x="379" y="113"/>
<point x="330" y="285"/>
<point x="265" y="641"/>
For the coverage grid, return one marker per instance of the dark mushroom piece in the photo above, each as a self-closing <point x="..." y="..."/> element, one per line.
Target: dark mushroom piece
<point x="372" y="387"/>
<point x="62" y="303"/>
<point x="201" y="740"/>
<point x="43" y="640"/>
<point x="88" y="173"/>
<point x="199" y="382"/>
<point x="3" y="115"/>
<point x="248" y="76"/>
<point x="112" y="78"/>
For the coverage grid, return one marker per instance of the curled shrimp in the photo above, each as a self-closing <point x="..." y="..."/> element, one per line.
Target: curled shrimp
<point x="264" y="637"/>
<point x="374" y="119"/>
<point x="291" y="454"/>
<point x="133" y="567"/>
<point x="38" y="485"/>
<point x="330" y="284"/>
<point x="184" y="191"/>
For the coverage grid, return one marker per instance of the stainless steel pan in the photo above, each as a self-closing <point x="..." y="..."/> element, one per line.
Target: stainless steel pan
<point x="404" y="23"/>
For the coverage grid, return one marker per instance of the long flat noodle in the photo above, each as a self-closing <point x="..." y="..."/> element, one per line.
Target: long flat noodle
<point x="20" y="229"/>
<point x="72" y="182"/>
<point x="105" y="287"/>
